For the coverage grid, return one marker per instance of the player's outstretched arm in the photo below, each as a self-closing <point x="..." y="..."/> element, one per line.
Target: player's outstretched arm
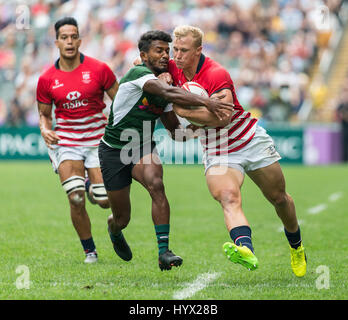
<point x="204" y="116"/>
<point x="175" y="129"/>
<point x="45" y="122"/>
<point x="187" y="99"/>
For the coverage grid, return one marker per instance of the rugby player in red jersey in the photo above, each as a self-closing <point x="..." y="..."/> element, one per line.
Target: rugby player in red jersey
<point x="236" y="145"/>
<point x="75" y="84"/>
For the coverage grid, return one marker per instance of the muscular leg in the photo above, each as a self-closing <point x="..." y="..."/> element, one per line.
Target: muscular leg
<point x="121" y="209"/>
<point x="120" y="206"/>
<point x="95" y="177"/>
<point x="150" y="174"/>
<point x="225" y="188"/>
<point x="78" y="211"/>
<point x="272" y="183"/>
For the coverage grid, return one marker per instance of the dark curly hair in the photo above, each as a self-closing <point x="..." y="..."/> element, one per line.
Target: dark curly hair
<point x="146" y="39"/>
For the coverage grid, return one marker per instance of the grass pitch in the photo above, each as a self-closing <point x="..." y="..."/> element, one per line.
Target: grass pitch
<point x="38" y="242"/>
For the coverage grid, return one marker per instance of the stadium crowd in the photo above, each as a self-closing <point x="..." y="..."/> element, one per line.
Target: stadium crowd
<point x="268" y="46"/>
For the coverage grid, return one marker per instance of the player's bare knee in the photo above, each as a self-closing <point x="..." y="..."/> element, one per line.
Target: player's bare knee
<point x="228" y="197"/>
<point x="77" y="199"/>
<point x="156" y="188"/>
<point x="279" y="199"/>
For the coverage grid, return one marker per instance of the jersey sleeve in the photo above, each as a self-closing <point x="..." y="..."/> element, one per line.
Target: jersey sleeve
<point x="142" y="75"/>
<point x="108" y="78"/>
<point x="220" y="81"/>
<point x="42" y="91"/>
<point x="142" y="80"/>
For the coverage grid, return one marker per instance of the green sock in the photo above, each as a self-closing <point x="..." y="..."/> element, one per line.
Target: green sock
<point x="162" y="234"/>
<point x="114" y="237"/>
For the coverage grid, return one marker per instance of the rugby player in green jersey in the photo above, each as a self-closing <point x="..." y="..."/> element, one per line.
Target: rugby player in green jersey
<point x="127" y="150"/>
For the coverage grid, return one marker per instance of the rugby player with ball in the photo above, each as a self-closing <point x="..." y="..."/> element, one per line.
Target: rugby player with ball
<point x="233" y="146"/>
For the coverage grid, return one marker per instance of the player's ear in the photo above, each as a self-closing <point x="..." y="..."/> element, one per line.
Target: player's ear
<point x="143" y="56"/>
<point x="199" y="50"/>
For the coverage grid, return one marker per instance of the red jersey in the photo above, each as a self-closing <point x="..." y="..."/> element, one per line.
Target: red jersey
<point x="214" y="78"/>
<point x="78" y="97"/>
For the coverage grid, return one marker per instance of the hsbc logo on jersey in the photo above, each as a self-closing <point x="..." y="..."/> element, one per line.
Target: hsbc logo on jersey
<point x="73" y="96"/>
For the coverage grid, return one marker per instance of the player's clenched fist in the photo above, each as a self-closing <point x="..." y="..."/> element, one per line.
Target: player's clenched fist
<point x="50" y="137"/>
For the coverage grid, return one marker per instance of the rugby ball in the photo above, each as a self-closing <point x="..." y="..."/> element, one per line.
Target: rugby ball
<point x="195" y="88"/>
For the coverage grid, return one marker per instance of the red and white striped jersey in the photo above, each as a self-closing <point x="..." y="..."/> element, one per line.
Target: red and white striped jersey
<point x="214" y="78"/>
<point x="78" y="98"/>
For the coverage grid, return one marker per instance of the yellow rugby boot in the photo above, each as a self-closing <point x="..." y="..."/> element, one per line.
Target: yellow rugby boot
<point x="240" y="254"/>
<point x="298" y="261"/>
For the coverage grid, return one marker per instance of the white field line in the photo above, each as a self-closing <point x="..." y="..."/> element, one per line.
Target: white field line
<point x="323" y="206"/>
<point x="199" y="284"/>
<point x="335" y="196"/>
<point x="317" y="209"/>
<point x="320" y="207"/>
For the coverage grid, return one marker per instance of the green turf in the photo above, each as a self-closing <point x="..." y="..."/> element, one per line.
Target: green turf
<point x="35" y="231"/>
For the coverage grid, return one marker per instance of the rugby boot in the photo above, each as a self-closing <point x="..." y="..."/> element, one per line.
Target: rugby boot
<point x="298" y="261"/>
<point x="168" y="259"/>
<point x="240" y="254"/>
<point x="91" y="257"/>
<point x="120" y="246"/>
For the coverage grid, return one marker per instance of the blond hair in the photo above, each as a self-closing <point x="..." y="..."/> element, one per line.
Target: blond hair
<point x="196" y="33"/>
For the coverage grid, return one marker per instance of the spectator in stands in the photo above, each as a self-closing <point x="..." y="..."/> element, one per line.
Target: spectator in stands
<point x="253" y="39"/>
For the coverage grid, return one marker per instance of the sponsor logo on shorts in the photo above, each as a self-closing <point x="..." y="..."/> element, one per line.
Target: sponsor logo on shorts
<point x="271" y="150"/>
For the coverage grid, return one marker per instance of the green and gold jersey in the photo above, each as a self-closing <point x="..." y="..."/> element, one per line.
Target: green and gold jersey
<point x="134" y="112"/>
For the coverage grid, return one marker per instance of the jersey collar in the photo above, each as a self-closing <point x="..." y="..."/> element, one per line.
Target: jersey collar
<point x="200" y="63"/>
<point x="82" y="58"/>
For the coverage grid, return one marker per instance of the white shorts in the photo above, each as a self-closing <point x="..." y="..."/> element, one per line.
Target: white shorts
<point x="87" y="154"/>
<point x="260" y="152"/>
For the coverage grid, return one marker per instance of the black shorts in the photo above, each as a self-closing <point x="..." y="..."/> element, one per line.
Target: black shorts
<point x="117" y="172"/>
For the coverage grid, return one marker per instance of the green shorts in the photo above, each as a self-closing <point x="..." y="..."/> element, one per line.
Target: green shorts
<point x="117" y="164"/>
